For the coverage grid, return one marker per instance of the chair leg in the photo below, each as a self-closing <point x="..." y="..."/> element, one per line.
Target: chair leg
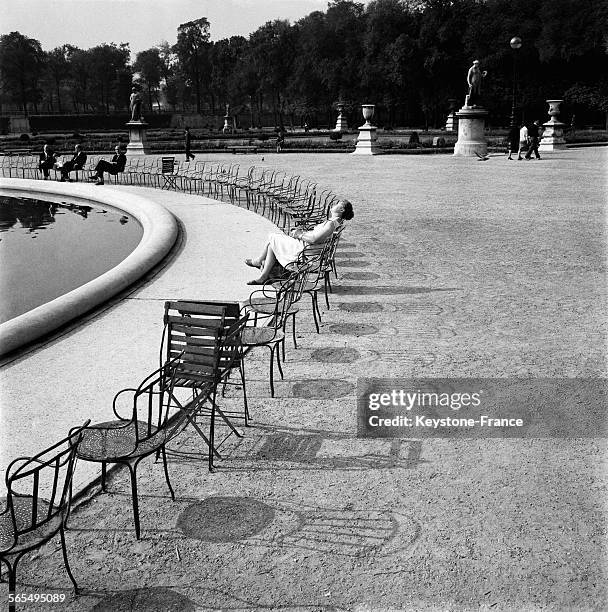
<point x="316" y="301"/>
<point x="242" y="371"/>
<point x="325" y="288"/>
<point x="65" y="560"/>
<point x="314" y="312"/>
<point x="12" y="583"/>
<point x="164" y="454"/>
<point x="271" y="371"/>
<point x="293" y="332"/>
<point x="278" y="355"/>
<point x="132" y="471"/>
<point x="103" y="476"/>
<point x="212" y="434"/>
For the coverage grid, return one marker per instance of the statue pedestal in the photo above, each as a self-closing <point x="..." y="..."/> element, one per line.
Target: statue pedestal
<point x="228" y="125"/>
<point x="341" y="124"/>
<point x="451" y="123"/>
<point x="471" y="138"/>
<point x="367" y="142"/>
<point x="137" y="138"/>
<point x="553" y="136"/>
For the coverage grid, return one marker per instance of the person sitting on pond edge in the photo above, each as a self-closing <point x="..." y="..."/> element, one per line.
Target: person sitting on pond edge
<point x="286" y="249"/>
<point x="118" y="163"/>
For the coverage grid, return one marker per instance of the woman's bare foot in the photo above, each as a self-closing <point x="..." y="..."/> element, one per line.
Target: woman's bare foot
<point x="252" y="264"/>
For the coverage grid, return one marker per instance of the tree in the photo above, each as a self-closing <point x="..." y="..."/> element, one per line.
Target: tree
<point x="594" y="98"/>
<point x="21" y="65"/>
<point x="227" y="56"/>
<point x="271" y="51"/>
<point x="80" y="70"/>
<point x="58" y="69"/>
<point x="150" y="66"/>
<point x="107" y="63"/>
<point x="192" y="50"/>
<point x="391" y="57"/>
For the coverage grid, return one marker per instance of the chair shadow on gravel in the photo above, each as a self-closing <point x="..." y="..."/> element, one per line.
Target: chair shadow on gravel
<point x="150" y="599"/>
<point x="306" y="449"/>
<point x="386" y="290"/>
<point x="279" y="523"/>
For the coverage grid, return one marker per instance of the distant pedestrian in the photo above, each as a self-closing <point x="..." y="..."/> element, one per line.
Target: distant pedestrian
<point x="187" y="140"/>
<point x="280" y="141"/>
<point x="523" y="140"/>
<point x="46" y="161"/>
<point x="534" y="138"/>
<point x="513" y="141"/>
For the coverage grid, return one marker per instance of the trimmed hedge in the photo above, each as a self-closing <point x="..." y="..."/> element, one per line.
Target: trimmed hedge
<point x="72" y="123"/>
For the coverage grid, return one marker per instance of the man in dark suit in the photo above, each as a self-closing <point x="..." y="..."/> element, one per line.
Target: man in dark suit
<point x="79" y="159"/>
<point x="188" y="141"/>
<point x="46" y="161"/>
<point x="118" y="163"/>
<point x="534" y="135"/>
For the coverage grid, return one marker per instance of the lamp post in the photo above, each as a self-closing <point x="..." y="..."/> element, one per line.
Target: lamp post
<point x="515" y="43"/>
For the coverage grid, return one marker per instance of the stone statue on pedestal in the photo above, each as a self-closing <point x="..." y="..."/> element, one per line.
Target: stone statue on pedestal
<point x="135" y="102"/>
<point x="474" y="77"/>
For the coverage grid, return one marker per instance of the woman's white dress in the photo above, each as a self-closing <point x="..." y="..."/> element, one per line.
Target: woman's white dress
<point x="287" y="249"/>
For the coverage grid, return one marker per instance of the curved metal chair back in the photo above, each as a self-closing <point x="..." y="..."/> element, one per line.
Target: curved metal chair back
<point x="152" y="423"/>
<point x="39" y="494"/>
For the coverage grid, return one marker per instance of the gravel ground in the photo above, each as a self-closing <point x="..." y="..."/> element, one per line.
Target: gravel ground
<point x="451" y="268"/>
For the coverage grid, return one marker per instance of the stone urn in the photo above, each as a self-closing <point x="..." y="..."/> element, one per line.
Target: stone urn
<point x="341" y="124"/>
<point x="553" y="109"/>
<point x="368" y="112"/>
<point x="367" y="142"/>
<point x="553" y="134"/>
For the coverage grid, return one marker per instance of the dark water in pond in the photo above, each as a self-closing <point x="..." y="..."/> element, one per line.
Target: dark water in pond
<point x="50" y="248"/>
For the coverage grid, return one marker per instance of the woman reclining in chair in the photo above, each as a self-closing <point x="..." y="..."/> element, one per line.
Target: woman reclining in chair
<point x="286" y="249"/>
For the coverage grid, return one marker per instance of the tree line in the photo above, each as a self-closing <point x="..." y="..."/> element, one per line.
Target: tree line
<point x="409" y="57"/>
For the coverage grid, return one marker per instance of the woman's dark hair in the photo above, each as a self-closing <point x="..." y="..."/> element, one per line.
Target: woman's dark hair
<point x="348" y="213"/>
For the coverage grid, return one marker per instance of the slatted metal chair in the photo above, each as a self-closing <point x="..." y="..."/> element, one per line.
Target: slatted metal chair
<point x="208" y="337"/>
<point x="39" y="494"/>
<point x="167" y="173"/>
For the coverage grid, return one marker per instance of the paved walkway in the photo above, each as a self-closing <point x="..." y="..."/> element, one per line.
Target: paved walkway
<point x="75" y="375"/>
<point x="451" y="268"/>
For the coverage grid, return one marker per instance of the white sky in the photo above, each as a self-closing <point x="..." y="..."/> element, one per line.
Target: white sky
<point x="142" y="23"/>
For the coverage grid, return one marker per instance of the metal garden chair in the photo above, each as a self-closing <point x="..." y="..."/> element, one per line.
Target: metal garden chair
<point x="273" y="304"/>
<point x="39" y="494"/>
<point x="320" y="278"/>
<point x="167" y="173"/>
<point x="152" y="421"/>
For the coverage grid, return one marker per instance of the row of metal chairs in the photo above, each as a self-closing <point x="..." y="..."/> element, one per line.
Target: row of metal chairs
<point x="285" y="199"/>
<point x="203" y="344"/>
